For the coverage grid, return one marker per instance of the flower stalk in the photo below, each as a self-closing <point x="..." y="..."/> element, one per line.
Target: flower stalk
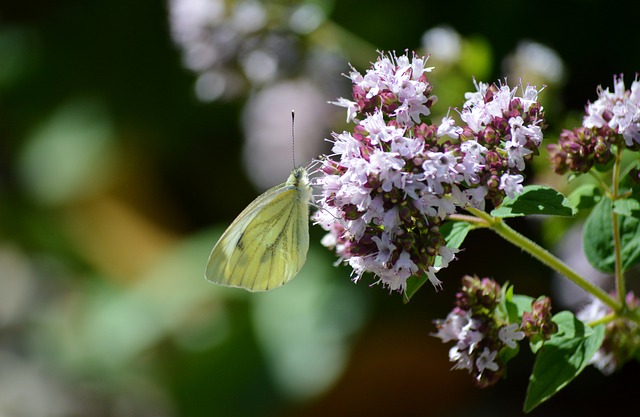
<point x="544" y="256"/>
<point x="619" y="276"/>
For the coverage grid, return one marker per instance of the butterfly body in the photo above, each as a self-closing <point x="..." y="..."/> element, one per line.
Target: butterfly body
<point x="267" y="244"/>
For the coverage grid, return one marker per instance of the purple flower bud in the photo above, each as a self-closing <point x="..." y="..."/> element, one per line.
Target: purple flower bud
<point x="537" y="324"/>
<point x="351" y="212"/>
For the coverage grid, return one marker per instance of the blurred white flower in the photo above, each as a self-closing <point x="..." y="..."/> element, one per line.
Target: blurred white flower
<point x="267" y="126"/>
<point x="210" y="85"/>
<point x="444" y="43"/>
<point x="27" y="390"/>
<point x="17" y="286"/>
<point x="306" y="18"/>
<point x="236" y="45"/>
<point x="248" y="16"/>
<point x="260" y="66"/>
<point x="535" y="63"/>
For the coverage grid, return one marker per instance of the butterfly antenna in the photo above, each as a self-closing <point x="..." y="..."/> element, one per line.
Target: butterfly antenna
<point x="293" y="137"/>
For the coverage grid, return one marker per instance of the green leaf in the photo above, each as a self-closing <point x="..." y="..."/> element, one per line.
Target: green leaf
<point x="630" y="205"/>
<point x="585" y="196"/>
<point x="506" y="354"/>
<point x="627" y="183"/>
<point x="562" y="358"/>
<point x="627" y="207"/>
<point x="515" y="305"/>
<point x="535" y="344"/>
<point x="598" y="238"/>
<point x="507" y="307"/>
<point x="523" y="303"/>
<point x="454" y="234"/>
<point x="535" y="199"/>
<point x="413" y="285"/>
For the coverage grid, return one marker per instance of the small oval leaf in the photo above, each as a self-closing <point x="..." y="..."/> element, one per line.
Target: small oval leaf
<point x="535" y="199"/>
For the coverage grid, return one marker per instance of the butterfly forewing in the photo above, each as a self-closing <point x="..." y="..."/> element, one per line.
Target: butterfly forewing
<point x="267" y="244"/>
<point x="261" y="255"/>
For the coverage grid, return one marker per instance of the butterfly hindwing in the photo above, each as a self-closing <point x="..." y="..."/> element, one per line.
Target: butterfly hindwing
<point x="267" y="243"/>
<point x="262" y="253"/>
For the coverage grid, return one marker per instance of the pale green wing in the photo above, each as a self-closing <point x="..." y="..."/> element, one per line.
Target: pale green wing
<point x="267" y="243"/>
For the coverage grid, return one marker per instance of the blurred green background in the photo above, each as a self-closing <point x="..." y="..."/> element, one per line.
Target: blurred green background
<point x="131" y="134"/>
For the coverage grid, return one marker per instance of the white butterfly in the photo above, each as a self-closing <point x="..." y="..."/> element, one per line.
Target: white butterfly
<point x="267" y="244"/>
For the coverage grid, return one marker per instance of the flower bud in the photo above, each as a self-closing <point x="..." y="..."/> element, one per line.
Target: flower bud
<point x="537" y="324"/>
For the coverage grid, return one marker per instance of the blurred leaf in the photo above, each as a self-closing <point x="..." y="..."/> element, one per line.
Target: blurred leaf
<point x="17" y="54"/>
<point x="627" y="207"/>
<point x="110" y="326"/>
<point x="306" y="326"/>
<point x="585" y="196"/>
<point x="68" y="156"/>
<point x="476" y="58"/>
<point x="630" y="205"/>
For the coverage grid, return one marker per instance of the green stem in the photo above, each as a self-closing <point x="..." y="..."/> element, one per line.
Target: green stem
<point x="544" y="256"/>
<point x="483" y="215"/>
<point x="619" y="276"/>
<point x="603" y="320"/>
<point x="632" y="315"/>
<point x="468" y="219"/>
<point x="629" y="315"/>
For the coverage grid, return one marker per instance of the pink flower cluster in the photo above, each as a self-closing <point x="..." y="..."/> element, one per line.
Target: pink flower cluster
<point x="478" y="333"/>
<point x="613" y="119"/>
<point x="619" y="110"/>
<point x="395" y="176"/>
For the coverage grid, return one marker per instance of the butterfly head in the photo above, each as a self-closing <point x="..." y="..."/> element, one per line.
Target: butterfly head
<point x="298" y="178"/>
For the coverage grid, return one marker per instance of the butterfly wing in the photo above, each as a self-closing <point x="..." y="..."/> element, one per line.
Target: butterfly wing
<point x="267" y="244"/>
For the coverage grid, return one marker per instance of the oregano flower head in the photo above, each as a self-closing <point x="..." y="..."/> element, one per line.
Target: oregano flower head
<point x="613" y="119"/>
<point x="395" y="176"/>
<point x="480" y="330"/>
